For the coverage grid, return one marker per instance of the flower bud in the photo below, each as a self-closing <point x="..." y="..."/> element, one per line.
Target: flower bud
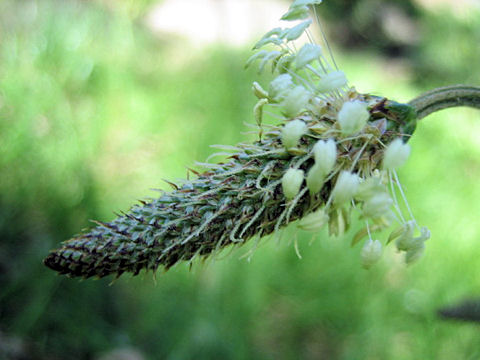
<point x="292" y="132"/>
<point x="258" y="91"/>
<point x="314" y="221"/>
<point x="395" y="154"/>
<point x="416" y="246"/>
<point x="345" y="187"/>
<point x="315" y="179"/>
<point x="406" y="241"/>
<point x="371" y="253"/>
<point x="280" y="86"/>
<point x="369" y="188"/>
<point x="377" y="206"/>
<point x="325" y="154"/>
<point x="353" y="116"/>
<point x="295" y="101"/>
<point x="291" y="182"/>
<point x="332" y="81"/>
<point x="258" y="110"/>
<point x="424" y="233"/>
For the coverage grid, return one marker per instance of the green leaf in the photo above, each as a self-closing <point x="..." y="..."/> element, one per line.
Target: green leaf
<point x="346" y="218"/>
<point x="339" y="222"/>
<point x="359" y="235"/>
<point x="395" y="234"/>
<point x="295" y="32"/>
<point x="296" y="13"/>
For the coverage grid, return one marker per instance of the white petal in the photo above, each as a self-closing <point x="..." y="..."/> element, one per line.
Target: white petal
<point x="292" y="132"/>
<point x="296" y="13"/>
<point x="353" y="116"/>
<point x="325" y="153"/>
<point x="371" y="253"/>
<point x="291" y="183"/>
<point x="307" y="54"/>
<point x="345" y="187"/>
<point x="295" y="32"/>
<point x="332" y="81"/>
<point x="377" y="205"/>
<point x="279" y="86"/>
<point x="396" y="154"/>
<point x="295" y="101"/>
<point x="315" y="179"/>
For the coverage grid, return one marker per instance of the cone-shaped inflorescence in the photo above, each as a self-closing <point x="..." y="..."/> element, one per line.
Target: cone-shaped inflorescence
<point x="333" y="151"/>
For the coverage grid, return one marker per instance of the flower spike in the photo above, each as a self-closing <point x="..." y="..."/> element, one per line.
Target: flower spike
<point x="344" y="144"/>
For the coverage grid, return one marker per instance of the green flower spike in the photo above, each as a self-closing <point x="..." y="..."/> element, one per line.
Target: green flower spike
<point x="333" y="154"/>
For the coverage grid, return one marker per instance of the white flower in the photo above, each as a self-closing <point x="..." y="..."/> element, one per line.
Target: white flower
<point x="353" y="116"/>
<point x="396" y="154"/>
<point x="345" y="187"/>
<point x="424" y="234"/>
<point x="406" y="240"/>
<point x="371" y="253"/>
<point x="291" y="182"/>
<point x="280" y="86"/>
<point x="377" y="206"/>
<point x="332" y="81"/>
<point x="292" y="132"/>
<point x="315" y="179"/>
<point x="295" y="101"/>
<point x="417" y="246"/>
<point x="369" y="188"/>
<point x="314" y="221"/>
<point x="295" y="32"/>
<point x="296" y="13"/>
<point x="307" y="54"/>
<point x="325" y="154"/>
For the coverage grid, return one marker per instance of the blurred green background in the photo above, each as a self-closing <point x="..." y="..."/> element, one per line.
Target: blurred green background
<point x="97" y="107"/>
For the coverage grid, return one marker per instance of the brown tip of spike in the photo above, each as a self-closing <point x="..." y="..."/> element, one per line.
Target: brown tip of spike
<point x="52" y="262"/>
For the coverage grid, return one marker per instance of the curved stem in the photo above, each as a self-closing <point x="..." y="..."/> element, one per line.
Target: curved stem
<point x="425" y="104"/>
<point x="446" y="97"/>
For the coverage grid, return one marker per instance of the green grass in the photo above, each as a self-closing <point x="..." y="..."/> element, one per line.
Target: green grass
<point x="93" y="114"/>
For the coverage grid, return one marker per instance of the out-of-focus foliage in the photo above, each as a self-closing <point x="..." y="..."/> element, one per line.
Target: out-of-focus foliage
<point x="448" y="51"/>
<point x="94" y="111"/>
<point x="386" y="27"/>
<point x="440" y="47"/>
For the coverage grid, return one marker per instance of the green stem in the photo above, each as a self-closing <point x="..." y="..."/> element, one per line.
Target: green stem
<point x="425" y="104"/>
<point x="446" y="97"/>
